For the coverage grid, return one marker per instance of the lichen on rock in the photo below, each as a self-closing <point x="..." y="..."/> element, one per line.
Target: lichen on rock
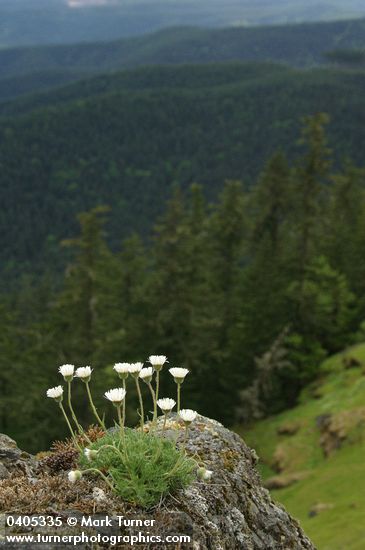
<point x="232" y="511"/>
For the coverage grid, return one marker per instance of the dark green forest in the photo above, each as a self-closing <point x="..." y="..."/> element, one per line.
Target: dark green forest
<point x="300" y="45"/>
<point x="213" y="288"/>
<point x="126" y="139"/>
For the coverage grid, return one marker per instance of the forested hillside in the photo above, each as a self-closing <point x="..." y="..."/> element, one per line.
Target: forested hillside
<point x="124" y="140"/>
<point x="29" y="83"/>
<point x="299" y="45"/>
<point x="189" y="77"/>
<point x="277" y="267"/>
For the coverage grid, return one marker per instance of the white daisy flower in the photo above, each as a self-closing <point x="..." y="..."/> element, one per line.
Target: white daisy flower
<point x="157" y="361"/>
<point x="178" y="374"/>
<point x="146" y="374"/>
<point x="116" y="395"/>
<point x="188" y="415"/>
<point x="74" y="476"/>
<point x="135" y="369"/>
<point x="55" y="393"/>
<point x="122" y="369"/>
<point x="67" y="372"/>
<point x="166" y="405"/>
<point x="84" y="373"/>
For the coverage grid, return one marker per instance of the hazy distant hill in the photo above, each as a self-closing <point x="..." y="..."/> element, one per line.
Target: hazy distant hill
<point x="124" y="139"/>
<point x="298" y="45"/>
<point x="29" y="22"/>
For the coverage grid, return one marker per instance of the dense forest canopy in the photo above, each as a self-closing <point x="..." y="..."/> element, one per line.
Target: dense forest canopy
<point x="347" y="57"/>
<point x="125" y="139"/>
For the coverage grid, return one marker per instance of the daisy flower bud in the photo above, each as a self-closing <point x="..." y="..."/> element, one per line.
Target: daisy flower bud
<point x="157" y="361"/>
<point x="135" y="369"/>
<point x="116" y="396"/>
<point x="74" y="475"/>
<point x="146" y="374"/>
<point x="67" y="372"/>
<point x="56" y="393"/>
<point x="188" y="416"/>
<point x="166" y="405"/>
<point x="90" y="454"/>
<point x="178" y="374"/>
<point x="204" y="474"/>
<point x="122" y="369"/>
<point x="84" y="373"/>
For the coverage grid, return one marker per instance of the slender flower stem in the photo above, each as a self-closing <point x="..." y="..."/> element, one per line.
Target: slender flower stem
<point x="186" y="434"/>
<point x="71" y="408"/>
<point x="154" y="399"/>
<point x="122" y="454"/>
<point x="164" y="422"/>
<point x="94" y="408"/>
<point x="124" y="387"/>
<point x="74" y="417"/>
<point x="70" y="427"/>
<point x="102" y="475"/>
<point x="120" y="418"/>
<point x="178" y="396"/>
<point x="140" y="403"/>
<point x="175" y="467"/>
<point x="157" y="393"/>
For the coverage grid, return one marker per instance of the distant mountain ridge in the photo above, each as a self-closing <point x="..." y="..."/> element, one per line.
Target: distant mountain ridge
<point x="31" y="22"/>
<point x="301" y="45"/>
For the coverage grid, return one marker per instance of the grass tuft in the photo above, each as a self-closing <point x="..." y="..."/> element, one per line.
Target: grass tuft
<point x="144" y="467"/>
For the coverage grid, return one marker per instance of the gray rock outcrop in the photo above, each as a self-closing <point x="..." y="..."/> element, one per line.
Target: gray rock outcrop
<point x="232" y="511"/>
<point x="13" y="461"/>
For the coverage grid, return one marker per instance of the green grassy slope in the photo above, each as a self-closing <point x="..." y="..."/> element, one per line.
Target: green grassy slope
<point x="296" y="44"/>
<point x="337" y="482"/>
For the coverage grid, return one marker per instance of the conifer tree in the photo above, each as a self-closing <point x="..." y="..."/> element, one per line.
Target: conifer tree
<point x="79" y="302"/>
<point x="125" y="309"/>
<point x="311" y="177"/>
<point x="270" y="202"/>
<point x="261" y="291"/>
<point x="326" y="305"/>
<point x="345" y="226"/>
<point x="79" y="326"/>
<point x="228" y="234"/>
<point x="184" y="317"/>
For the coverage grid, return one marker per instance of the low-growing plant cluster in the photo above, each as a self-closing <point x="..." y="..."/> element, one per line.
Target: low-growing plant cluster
<point x="140" y="465"/>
